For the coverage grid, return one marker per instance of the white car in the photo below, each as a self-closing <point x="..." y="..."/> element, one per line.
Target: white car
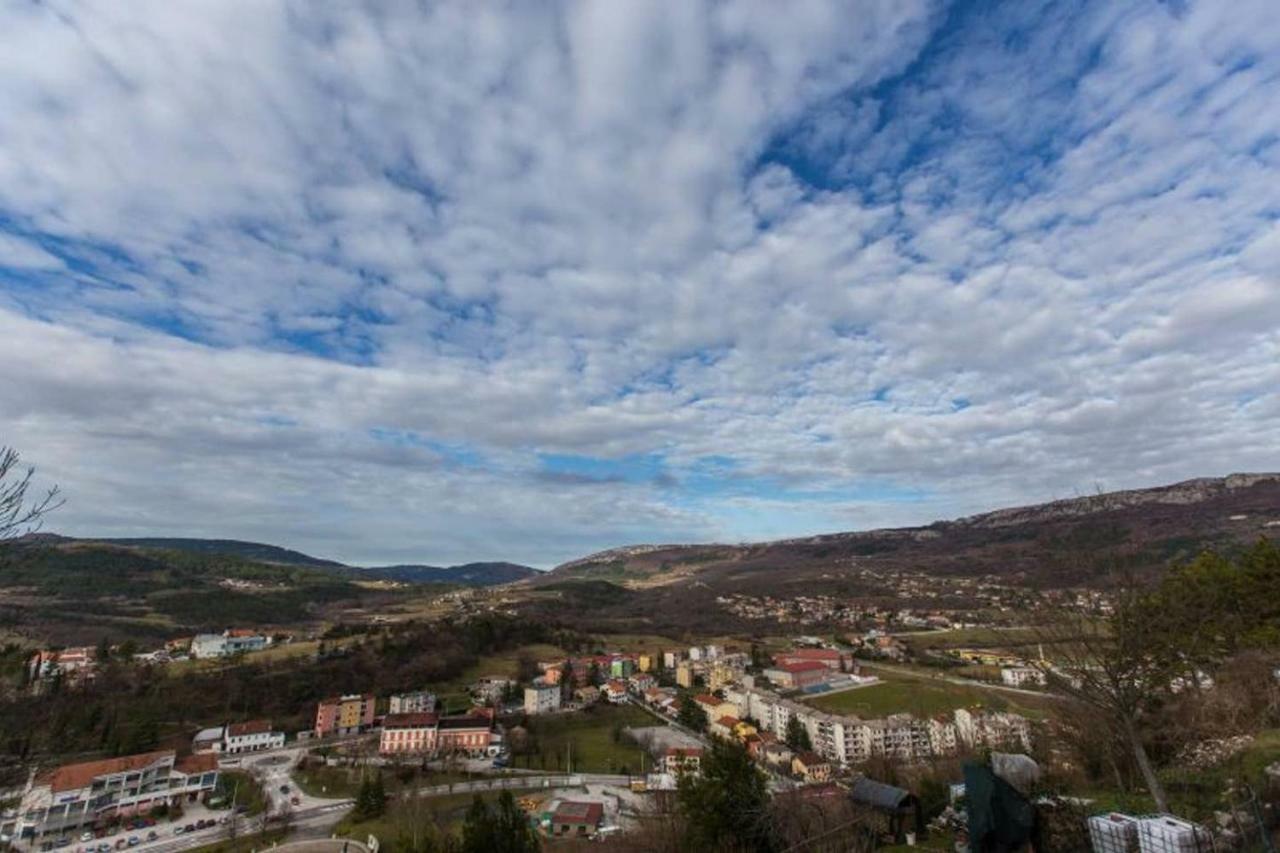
<point x="86" y="836"/>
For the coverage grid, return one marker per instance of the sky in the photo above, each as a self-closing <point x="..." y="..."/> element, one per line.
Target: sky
<point x="410" y="282"/>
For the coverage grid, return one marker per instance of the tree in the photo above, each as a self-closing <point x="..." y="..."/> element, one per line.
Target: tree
<point x="18" y="515"/>
<point x="726" y="805"/>
<point x="500" y="829"/>
<point x="1110" y="665"/>
<point x="566" y="682"/>
<point x="798" y="736"/>
<point x="690" y="715"/>
<point x="371" y="799"/>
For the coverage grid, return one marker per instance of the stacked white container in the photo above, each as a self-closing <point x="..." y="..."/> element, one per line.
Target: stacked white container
<point x="1113" y="833"/>
<point x="1169" y="834"/>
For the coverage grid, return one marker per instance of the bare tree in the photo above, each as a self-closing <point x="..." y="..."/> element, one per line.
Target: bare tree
<point x="1110" y="663"/>
<point x="18" y="514"/>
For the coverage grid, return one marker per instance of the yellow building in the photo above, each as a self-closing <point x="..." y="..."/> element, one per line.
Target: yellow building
<point x="645" y="663"/>
<point x="684" y="675"/>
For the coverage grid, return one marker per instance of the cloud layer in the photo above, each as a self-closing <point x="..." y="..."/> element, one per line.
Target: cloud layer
<point x="406" y="282"/>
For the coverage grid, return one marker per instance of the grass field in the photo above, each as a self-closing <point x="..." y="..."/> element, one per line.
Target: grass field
<point x="443" y="814"/>
<point x="924" y="696"/>
<point x="591" y="734"/>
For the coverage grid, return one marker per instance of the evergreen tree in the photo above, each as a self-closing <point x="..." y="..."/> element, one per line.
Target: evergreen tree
<point x="690" y="715"/>
<point x="502" y="828"/>
<point x="726" y="806"/>
<point x="798" y="736"/>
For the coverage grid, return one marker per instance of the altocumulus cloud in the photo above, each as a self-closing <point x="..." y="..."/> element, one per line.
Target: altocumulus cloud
<point x="455" y="281"/>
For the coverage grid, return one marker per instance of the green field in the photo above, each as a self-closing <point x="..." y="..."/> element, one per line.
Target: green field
<point x="591" y="734"/>
<point x="924" y="696"/>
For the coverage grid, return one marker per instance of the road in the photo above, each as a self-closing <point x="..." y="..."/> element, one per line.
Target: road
<point x="953" y="679"/>
<point x="524" y="783"/>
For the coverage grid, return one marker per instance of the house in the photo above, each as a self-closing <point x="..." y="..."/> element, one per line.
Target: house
<point x="588" y="695"/>
<point x="614" y="690"/>
<point x="798" y="675"/>
<point x="542" y="698"/>
<point x="811" y="767"/>
<point x="232" y="641"/>
<point x="777" y="754"/>
<point x="417" y="702"/>
<point x="1017" y="676"/>
<point x="209" y="740"/>
<point x="685" y="675"/>
<point x="723" y="727"/>
<point x="343" y="715"/>
<point x="413" y="733"/>
<point x="714" y="707"/>
<point x="576" y="818"/>
<point x="676" y="760"/>
<point x="45" y="664"/>
<point x="253" y="736"/>
<point x="622" y="667"/>
<point x="899" y="810"/>
<point x="77" y="796"/>
<point x="641" y="681"/>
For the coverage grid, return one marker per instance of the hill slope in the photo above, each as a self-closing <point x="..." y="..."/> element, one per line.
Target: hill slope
<point x="469" y="574"/>
<point x="1060" y="543"/>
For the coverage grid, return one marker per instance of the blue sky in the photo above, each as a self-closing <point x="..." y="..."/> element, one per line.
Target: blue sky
<point x="439" y="282"/>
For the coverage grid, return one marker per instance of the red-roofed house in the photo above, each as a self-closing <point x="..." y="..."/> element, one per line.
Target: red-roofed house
<point x="413" y="732"/>
<point x="253" y="736"/>
<point x="573" y="817"/>
<point x="614" y="690"/>
<point x="723" y="727"/>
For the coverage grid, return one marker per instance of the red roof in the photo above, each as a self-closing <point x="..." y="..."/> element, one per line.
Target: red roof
<point x="576" y="812"/>
<point x="728" y="722"/>
<point x="810" y="759"/>
<point x="706" y="699"/>
<point x="684" y="751"/>
<point x="802" y="666"/>
<point x="72" y="777"/>
<point x="193" y="765"/>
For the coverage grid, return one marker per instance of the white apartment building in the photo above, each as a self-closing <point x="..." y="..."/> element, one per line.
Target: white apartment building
<point x="230" y="642"/>
<point x="1018" y="676"/>
<point x="253" y="736"/>
<point x="542" y="698"/>
<point x="417" y="702"/>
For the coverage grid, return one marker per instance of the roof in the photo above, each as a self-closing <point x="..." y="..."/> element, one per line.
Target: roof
<point x="683" y="751"/>
<point x="465" y="723"/>
<point x="575" y="811"/>
<point x="198" y="763"/>
<point x="706" y="699"/>
<point x="416" y="720"/>
<point x="801" y="666"/>
<point x="811" y="759"/>
<point x="727" y="721"/>
<point x="252" y="727"/>
<point x="72" y="777"/>
<point x="214" y="733"/>
<point x="878" y="794"/>
<point x="810" y="654"/>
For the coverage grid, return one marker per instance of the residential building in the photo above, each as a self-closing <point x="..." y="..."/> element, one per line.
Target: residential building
<point x="343" y="715"/>
<point x="472" y="736"/>
<point x="646" y="663"/>
<point x="723" y="727"/>
<point x="1018" y="676"/>
<point x="233" y="641"/>
<point x="575" y="818"/>
<point x="811" y="767"/>
<point x="209" y="740"/>
<point x="684" y="675"/>
<point x="621" y="667"/>
<point x="253" y="736"/>
<point x="588" y="695"/>
<point x="412" y="732"/>
<point x="670" y="659"/>
<point x="417" y="702"/>
<point x="614" y="690"/>
<point x="45" y="664"/>
<point x="542" y="698"/>
<point x="74" y="797"/>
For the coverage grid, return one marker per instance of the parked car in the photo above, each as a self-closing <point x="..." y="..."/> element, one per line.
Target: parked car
<point x="294" y="800"/>
<point x="104" y="847"/>
<point x="134" y="841"/>
<point x="63" y="842"/>
<point x="122" y="843"/>
<point x="177" y="830"/>
<point x="86" y="836"/>
<point x="191" y="827"/>
<point x="284" y="789"/>
<point x="152" y="835"/>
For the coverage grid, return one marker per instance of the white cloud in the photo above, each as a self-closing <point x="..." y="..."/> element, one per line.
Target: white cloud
<point x="267" y="231"/>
